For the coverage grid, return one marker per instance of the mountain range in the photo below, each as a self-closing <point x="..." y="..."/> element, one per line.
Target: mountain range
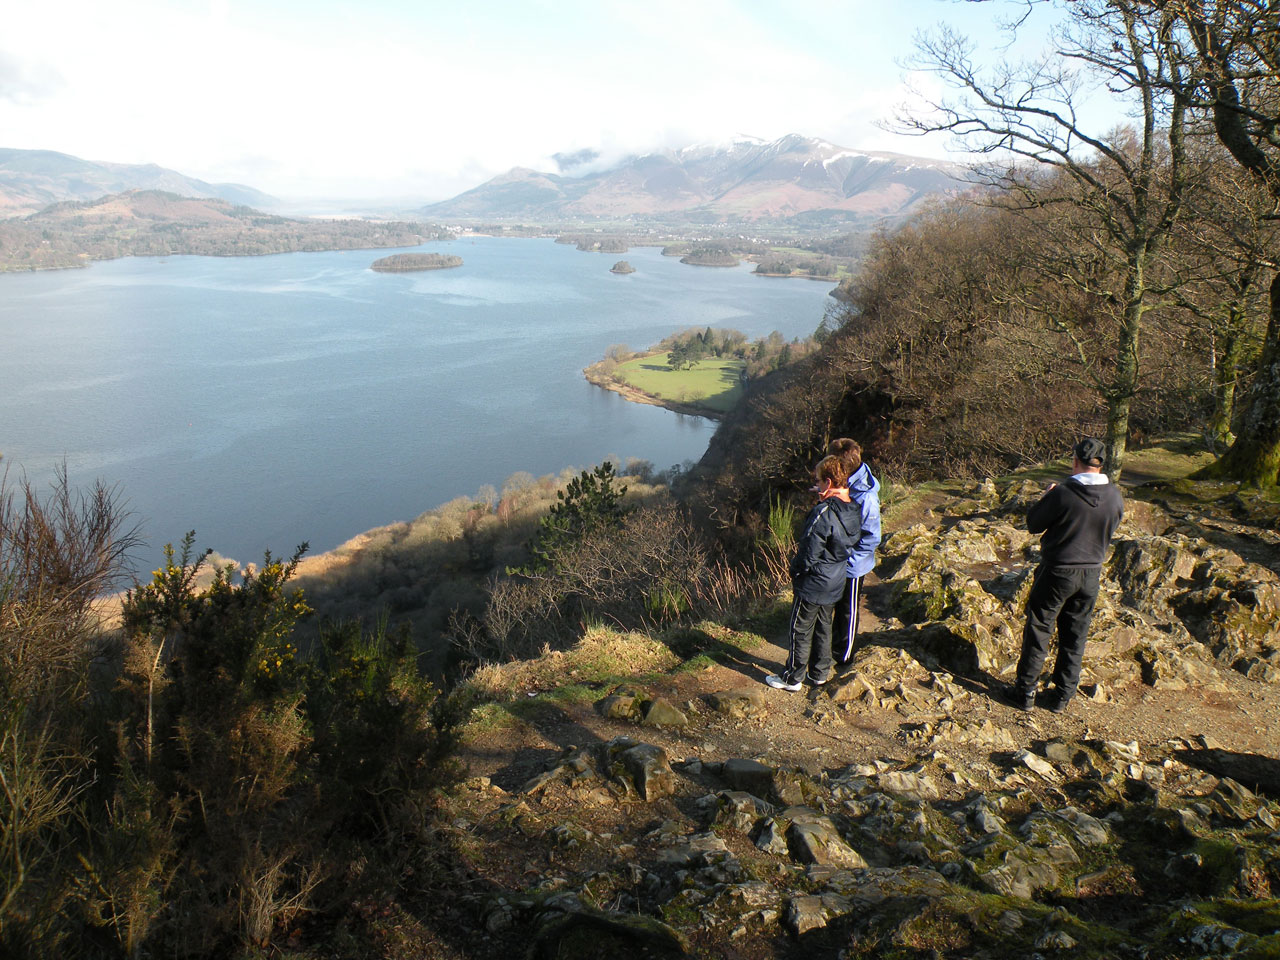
<point x="748" y="179"/>
<point x="30" y="180"/>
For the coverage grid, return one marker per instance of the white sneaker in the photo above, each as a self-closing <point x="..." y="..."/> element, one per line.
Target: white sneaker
<point x="782" y="683"/>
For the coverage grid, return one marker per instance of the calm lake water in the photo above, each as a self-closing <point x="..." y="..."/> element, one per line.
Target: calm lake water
<point x="264" y="401"/>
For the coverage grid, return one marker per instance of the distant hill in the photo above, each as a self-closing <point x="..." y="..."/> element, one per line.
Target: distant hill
<point x="794" y="177"/>
<point x="155" y="223"/>
<point x="30" y="180"/>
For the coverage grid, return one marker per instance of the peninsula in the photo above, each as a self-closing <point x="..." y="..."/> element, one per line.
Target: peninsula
<point x="698" y="372"/>
<point x="408" y="262"/>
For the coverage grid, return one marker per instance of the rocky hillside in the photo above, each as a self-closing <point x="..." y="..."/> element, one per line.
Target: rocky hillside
<point x="746" y="180"/>
<point x="645" y="795"/>
<point x="30" y="180"/>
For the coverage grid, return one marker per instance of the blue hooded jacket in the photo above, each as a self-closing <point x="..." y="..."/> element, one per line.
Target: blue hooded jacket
<point x="864" y="490"/>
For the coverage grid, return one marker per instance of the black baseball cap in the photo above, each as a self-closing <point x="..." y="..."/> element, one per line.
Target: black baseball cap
<point x="1089" y="449"/>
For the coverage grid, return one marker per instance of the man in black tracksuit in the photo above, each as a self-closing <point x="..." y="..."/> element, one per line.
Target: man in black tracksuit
<point x="1076" y="519"/>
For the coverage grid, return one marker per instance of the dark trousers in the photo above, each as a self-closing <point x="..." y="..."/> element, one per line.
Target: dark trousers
<point x="810" y="643"/>
<point x="844" y="621"/>
<point x="1065" y="596"/>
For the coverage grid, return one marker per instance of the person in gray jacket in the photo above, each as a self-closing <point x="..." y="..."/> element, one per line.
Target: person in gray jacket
<point x="1076" y="520"/>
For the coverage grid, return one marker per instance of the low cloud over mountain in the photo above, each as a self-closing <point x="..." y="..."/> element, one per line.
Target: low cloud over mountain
<point x="748" y="179"/>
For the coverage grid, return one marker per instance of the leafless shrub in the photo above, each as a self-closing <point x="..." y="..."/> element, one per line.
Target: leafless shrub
<point x="653" y="568"/>
<point x="57" y="553"/>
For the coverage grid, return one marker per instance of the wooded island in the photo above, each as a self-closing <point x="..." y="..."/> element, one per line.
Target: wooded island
<point x="408" y="262"/>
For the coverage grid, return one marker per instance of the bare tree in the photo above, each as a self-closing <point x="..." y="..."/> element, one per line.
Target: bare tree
<point x="1221" y="256"/>
<point x="1128" y="183"/>
<point x="1235" y="46"/>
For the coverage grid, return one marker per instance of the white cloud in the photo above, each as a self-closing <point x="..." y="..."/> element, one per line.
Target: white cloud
<point x="387" y="98"/>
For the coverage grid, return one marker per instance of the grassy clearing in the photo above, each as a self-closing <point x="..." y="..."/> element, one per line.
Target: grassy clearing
<point x="711" y="643"/>
<point x="1171" y="458"/>
<point x="601" y="655"/>
<point x="711" y="383"/>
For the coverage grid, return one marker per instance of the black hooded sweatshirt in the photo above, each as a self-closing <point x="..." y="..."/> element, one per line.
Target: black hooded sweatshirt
<point x="1077" y="520"/>
<point x="831" y="531"/>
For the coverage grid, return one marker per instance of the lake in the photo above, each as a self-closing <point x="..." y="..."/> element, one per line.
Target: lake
<point x="264" y="401"/>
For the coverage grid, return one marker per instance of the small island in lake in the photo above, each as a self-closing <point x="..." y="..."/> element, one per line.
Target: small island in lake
<point x="622" y="267"/>
<point x="406" y="262"/>
<point x="710" y="255"/>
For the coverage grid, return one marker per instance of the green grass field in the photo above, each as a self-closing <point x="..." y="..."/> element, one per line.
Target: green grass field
<point x="711" y="383"/>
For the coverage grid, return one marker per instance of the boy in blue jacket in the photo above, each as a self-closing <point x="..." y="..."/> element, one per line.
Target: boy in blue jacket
<point x="831" y="530"/>
<point x="864" y="490"/>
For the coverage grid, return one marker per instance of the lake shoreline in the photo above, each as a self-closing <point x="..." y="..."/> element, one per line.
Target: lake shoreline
<point x="607" y="381"/>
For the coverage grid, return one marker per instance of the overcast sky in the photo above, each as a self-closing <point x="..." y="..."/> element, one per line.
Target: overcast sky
<point x="422" y="98"/>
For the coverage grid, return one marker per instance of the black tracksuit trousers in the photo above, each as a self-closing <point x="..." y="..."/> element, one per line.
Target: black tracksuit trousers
<point x="844" y="621"/>
<point x="1065" y="596"/>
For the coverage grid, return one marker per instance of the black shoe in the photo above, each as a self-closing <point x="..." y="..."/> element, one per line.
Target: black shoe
<point x="1018" y="698"/>
<point x="1057" y="702"/>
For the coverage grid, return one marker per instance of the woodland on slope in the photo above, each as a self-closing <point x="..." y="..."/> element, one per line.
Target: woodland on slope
<point x="1115" y="282"/>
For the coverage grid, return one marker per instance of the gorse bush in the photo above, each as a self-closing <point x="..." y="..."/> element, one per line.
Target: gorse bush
<point x="197" y="784"/>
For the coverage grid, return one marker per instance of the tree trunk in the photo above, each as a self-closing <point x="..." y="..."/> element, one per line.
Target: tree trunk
<point x="1226" y="371"/>
<point x="1117" y="438"/>
<point x="1254" y="459"/>
<point x="1124" y="383"/>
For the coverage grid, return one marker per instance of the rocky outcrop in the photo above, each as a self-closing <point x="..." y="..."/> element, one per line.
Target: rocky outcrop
<point x="1173" y="609"/>
<point x="1118" y="852"/>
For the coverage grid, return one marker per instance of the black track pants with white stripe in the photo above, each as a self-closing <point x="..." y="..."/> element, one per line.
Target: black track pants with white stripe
<point x="844" y="621"/>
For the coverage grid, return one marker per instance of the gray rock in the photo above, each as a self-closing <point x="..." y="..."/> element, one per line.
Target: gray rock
<point x="740" y="702"/>
<point x="983" y="733"/>
<point x="772" y="837"/>
<point x="808" y="837"/>
<point x="1029" y="760"/>
<point x="617" y="707"/>
<point x="739" y="810"/>
<point x="575" y="766"/>
<point x="877" y="884"/>
<point x="1086" y="829"/>
<point x="913" y="784"/>
<point x="1056" y="940"/>
<point x="1233" y="800"/>
<point x="570" y="835"/>
<point x="849" y="689"/>
<point x="814" y="912"/>
<point x="750" y="776"/>
<point x="1020" y="874"/>
<point x="965" y="647"/>
<point x="646" y="767"/>
<point x="663" y="713"/>
<point x="1060" y="752"/>
<point x="699" y="850"/>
